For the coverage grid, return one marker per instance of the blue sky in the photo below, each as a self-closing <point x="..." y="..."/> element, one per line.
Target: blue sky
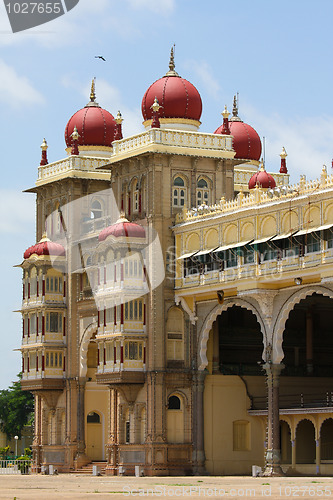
<point x="277" y="55"/>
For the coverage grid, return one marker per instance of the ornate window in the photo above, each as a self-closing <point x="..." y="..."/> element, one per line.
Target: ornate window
<point x="136" y="197"/>
<point x="175" y="334"/>
<point x="203" y="192"/>
<point x="96" y="210"/>
<point x="179" y="192"/>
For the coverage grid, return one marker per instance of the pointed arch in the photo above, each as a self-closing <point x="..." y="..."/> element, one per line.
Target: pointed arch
<point x="286" y="308"/>
<point x="84" y="344"/>
<point x="207" y="326"/>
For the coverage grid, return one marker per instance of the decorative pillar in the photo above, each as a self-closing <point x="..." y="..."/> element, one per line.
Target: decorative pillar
<point x="198" y="425"/>
<point x="309" y="342"/>
<point x="318" y="456"/>
<point x="112" y="446"/>
<point x="293" y="454"/>
<point x="273" y="454"/>
<point x="283" y="167"/>
<point x="81" y="458"/>
<point x="75" y="140"/>
<point x="155" y="107"/>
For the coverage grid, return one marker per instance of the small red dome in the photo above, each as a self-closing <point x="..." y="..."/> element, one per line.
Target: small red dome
<point x="246" y="141"/>
<point x="45" y="247"/>
<point x="177" y="96"/>
<point x="262" y="179"/>
<point x="123" y="228"/>
<point x="95" y="125"/>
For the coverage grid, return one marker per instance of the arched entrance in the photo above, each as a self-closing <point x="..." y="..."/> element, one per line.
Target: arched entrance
<point x="94" y="443"/>
<point x="233" y="439"/>
<point x="305" y="443"/>
<point x="326" y="440"/>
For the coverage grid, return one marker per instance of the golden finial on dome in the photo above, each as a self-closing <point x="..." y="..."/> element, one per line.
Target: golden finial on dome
<point x="44" y="145"/>
<point x="119" y="119"/>
<point x="75" y="135"/>
<point x="156" y="106"/>
<point x="172" y="71"/>
<point x="225" y="113"/>
<point x="283" y="154"/>
<point x="235" y="117"/>
<point x="92" y="91"/>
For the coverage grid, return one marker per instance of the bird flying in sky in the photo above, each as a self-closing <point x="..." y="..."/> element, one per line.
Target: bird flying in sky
<point x="100" y="57"/>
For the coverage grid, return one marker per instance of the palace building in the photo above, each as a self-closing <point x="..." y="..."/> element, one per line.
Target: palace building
<point x="178" y="303"/>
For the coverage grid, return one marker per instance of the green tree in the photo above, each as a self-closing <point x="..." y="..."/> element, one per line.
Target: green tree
<point x="16" y="407"/>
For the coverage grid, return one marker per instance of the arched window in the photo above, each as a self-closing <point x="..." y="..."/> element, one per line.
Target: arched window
<point x="174" y="403"/>
<point x="179" y="192"/>
<point x="136" y="197"/>
<point x="203" y="192"/>
<point x="96" y="210"/>
<point x="93" y="418"/>
<point x="175" y="420"/>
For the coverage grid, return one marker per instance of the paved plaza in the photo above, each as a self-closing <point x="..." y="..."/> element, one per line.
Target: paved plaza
<point x="74" y="486"/>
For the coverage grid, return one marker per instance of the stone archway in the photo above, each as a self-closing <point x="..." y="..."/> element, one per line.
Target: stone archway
<point x="217" y="311"/>
<point x="84" y="344"/>
<point x="287" y="307"/>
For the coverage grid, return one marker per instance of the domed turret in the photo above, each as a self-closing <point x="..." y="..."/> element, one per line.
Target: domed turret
<point x="123" y="228"/>
<point x="262" y="179"/>
<point x="180" y="102"/>
<point x="246" y="141"/>
<point x="95" y="125"/>
<point x="45" y="247"/>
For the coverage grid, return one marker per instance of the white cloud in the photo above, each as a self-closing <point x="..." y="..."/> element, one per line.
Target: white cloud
<point x="205" y="74"/>
<point x="18" y="213"/>
<point x="308" y="141"/>
<point x="15" y="89"/>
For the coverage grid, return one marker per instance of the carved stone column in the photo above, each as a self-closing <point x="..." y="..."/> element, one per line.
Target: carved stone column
<point x="113" y="441"/>
<point x="81" y="457"/>
<point x="198" y="425"/>
<point x="273" y="454"/>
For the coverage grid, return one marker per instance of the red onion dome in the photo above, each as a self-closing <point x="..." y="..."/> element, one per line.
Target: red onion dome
<point x="123" y="228"/>
<point x="246" y="141"/>
<point x="95" y="125"/>
<point x="177" y="96"/>
<point x="262" y="179"/>
<point x="45" y="247"/>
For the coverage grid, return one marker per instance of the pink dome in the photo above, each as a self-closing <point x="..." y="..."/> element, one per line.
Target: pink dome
<point x="45" y="247"/>
<point x="262" y="179"/>
<point x="177" y="96"/>
<point x="246" y="142"/>
<point x="123" y="228"/>
<point x="95" y="125"/>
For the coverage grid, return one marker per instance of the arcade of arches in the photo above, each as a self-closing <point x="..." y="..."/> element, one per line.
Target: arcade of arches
<point x="235" y="388"/>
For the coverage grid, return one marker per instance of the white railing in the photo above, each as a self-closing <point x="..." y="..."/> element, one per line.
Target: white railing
<point x="56" y="168"/>
<point x="179" y="138"/>
<point x="15" y="466"/>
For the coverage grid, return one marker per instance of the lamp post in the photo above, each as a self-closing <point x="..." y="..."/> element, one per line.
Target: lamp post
<point x="16" y="439"/>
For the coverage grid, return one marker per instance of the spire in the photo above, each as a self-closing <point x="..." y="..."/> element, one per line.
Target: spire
<point x="155" y="107"/>
<point x="283" y="168"/>
<point x="235" y="117"/>
<point x="44" y="147"/>
<point x="225" y="126"/>
<point x="118" y="132"/>
<point x="92" y="91"/>
<point x="172" y="71"/>
<point x="92" y="101"/>
<point x="75" y="137"/>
